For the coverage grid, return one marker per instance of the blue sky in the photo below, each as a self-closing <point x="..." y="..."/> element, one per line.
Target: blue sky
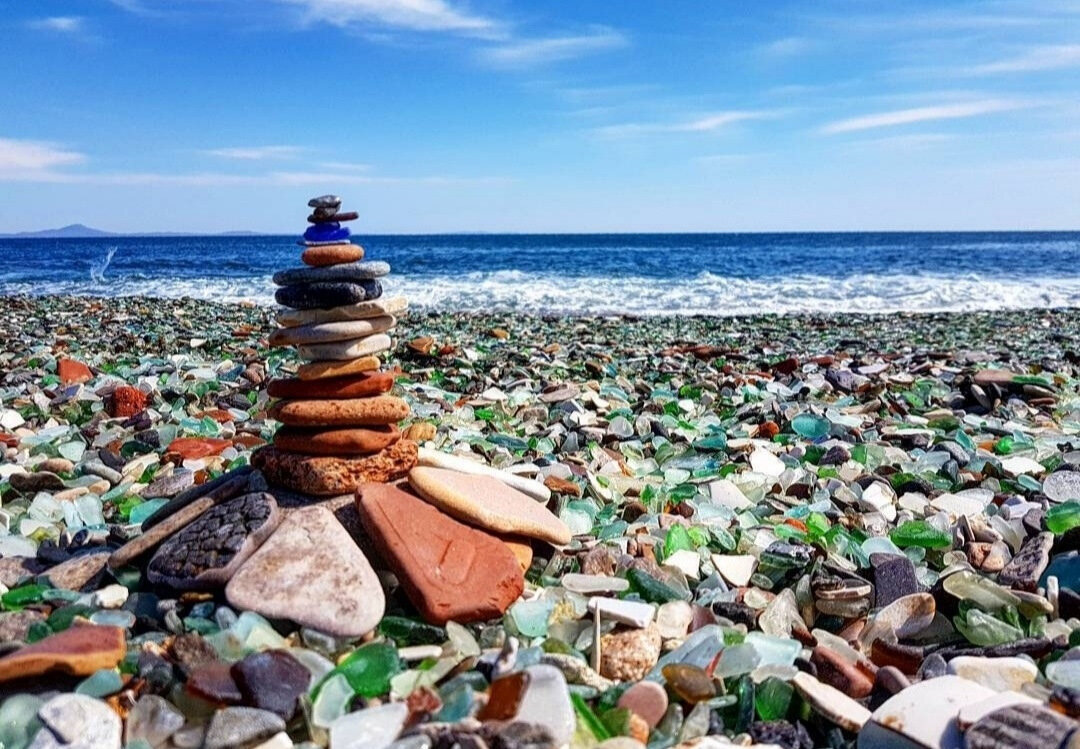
<point x="503" y="115"/>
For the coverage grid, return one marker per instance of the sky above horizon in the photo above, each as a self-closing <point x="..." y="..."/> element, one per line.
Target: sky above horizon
<point x="504" y="115"/>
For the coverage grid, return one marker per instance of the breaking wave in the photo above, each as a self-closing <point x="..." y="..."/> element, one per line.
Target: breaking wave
<point x="704" y="294"/>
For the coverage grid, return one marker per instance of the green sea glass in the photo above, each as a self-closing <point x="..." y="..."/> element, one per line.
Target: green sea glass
<point x="920" y="533"/>
<point x="1063" y="517"/>
<point x="369" y="669"/>
<point x="773" y="698"/>
<point x="810" y="426"/>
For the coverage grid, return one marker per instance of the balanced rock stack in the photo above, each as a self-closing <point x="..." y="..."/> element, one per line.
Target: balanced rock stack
<point x="339" y="423"/>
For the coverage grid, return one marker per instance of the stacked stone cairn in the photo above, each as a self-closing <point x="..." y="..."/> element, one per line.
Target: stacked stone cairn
<point x="339" y="423"/>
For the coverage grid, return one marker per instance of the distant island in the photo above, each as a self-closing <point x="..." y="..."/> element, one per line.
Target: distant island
<point x="81" y="231"/>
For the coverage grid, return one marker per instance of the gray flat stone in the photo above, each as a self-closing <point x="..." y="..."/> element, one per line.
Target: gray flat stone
<point x="362" y="271"/>
<point x="82" y="572"/>
<point x="241" y="727"/>
<point x="75" y="721"/>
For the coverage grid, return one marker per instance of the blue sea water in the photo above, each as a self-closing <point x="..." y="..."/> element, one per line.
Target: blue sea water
<point x="593" y="274"/>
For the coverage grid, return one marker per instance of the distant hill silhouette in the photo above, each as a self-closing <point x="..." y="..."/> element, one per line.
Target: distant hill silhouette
<point x="69" y="231"/>
<point x="81" y="231"/>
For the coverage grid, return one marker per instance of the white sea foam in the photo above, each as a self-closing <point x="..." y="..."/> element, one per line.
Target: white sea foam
<point x="706" y="293"/>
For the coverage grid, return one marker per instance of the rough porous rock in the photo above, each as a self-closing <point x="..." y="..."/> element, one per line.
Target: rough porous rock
<point x="630" y="654"/>
<point x="329" y="476"/>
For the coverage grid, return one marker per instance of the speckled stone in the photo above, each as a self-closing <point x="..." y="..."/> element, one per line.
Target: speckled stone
<point x="312" y="572"/>
<point x="629" y="654"/>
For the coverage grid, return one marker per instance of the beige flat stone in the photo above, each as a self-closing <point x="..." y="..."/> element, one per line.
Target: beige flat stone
<point x="440" y="459"/>
<point x="345" y="350"/>
<point x="311" y="572"/>
<point x="330" y="332"/>
<point x="487" y="502"/>
<point x="291" y="318"/>
<point x="326" y="369"/>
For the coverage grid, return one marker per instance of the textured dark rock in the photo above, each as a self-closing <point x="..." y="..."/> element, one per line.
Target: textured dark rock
<point x="207" y="551"/>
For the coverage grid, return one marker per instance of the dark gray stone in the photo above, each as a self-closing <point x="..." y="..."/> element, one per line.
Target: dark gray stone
<point x="894" y="577"/>
<point x="1025" y="569"/>
<point x="325" y="201"/>
<point x="327" y="295"/>
<point x="351" y="272"/>
<point x="1020" y="727"/>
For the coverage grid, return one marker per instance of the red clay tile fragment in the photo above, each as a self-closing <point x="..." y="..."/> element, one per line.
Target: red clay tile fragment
<point x="448" y="570"/>
<point x="79" y="651"/>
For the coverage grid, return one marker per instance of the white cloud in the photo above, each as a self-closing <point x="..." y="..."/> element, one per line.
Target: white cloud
<point x="524" y="52"/>
<point x="34" y="157"/>
<point x="61" y="24"/>
<point x="787" y="47"/>
<point x="1046" y="57"/>
<point x="922" y="114"/>
<point x="704" y="124"/>
<point x="416" y="15"/>
<point x="256" y="153"/>
<point x="345" y="166"/>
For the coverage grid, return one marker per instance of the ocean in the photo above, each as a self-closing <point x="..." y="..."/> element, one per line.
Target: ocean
<point x="641" y="274"/>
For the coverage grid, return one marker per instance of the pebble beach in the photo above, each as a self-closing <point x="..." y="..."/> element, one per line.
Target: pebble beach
<point x="795" y="531"/>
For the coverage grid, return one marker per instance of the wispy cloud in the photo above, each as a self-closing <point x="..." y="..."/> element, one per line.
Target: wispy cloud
<point x="256" y="153"/>
<point x="1044" y="57"/>
<point x="344" y="166"/>
<point x="416" y="15"/>
<point x="528" y="52"/>
<point x="922" y="114"/>
<point x="59" y="24"/>
<point x="704" y="124"/>
<point x="34" y="157"/>
<point x="789" y="46"/>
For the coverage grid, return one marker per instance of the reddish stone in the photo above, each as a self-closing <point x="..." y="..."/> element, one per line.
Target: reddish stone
<point x="250" y="441"/>
<point x="192" y="448"/>
<point x="220" y="415"/>
<point x="126" y="401"/>
<point x="505" y="697"/>
<point x="836" y="671"/>
<point x="362" y="386"/>
<point x="786" y="366"/>
<point x="422" y="703"/>
<point x="562" y="486"/>
<point x="8" y="440"/>
<point x="768" y="430"/>
<point x="72" y="372"/>
<point x="448" y="570"/>
<point x="79" y="650"/>
<point x="214" y="682"/>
